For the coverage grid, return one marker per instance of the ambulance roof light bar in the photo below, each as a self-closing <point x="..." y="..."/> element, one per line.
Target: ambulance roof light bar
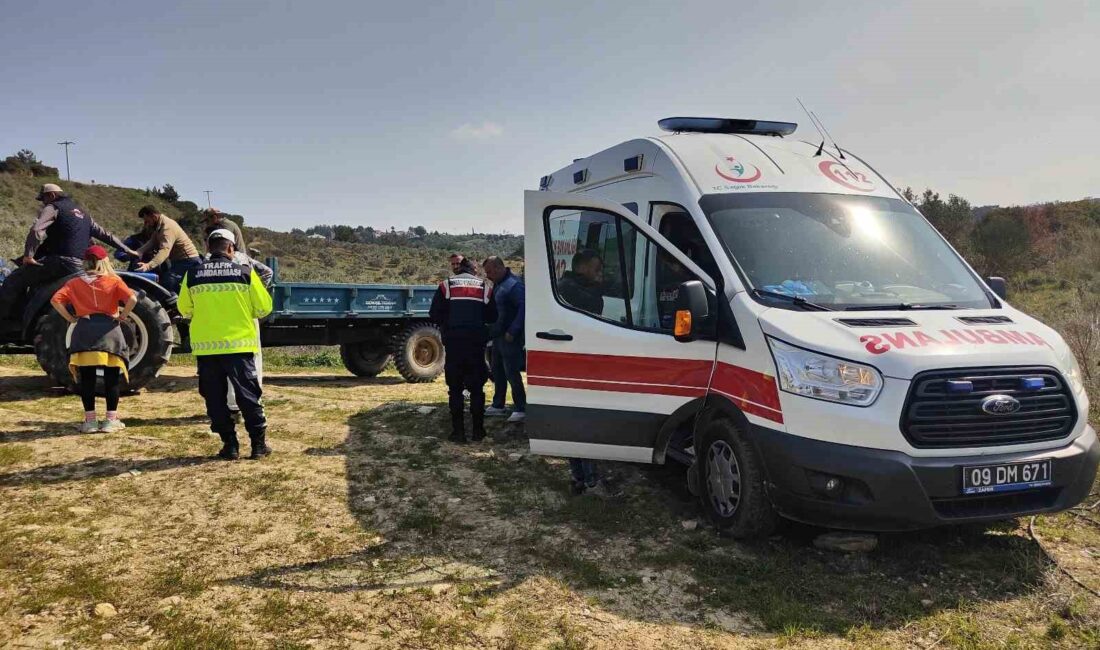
<point x="725" y="125"/>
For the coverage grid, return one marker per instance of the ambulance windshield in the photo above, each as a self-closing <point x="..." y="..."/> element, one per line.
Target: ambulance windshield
<point x="841" y="251"/>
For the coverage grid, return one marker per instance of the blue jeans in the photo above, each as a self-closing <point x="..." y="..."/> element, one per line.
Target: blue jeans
<point x="584" y="471"/>
<point x="507" y="362"/>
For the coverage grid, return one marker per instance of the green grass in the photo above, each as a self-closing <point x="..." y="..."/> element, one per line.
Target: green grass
<point x="576" y="570"/>
<point x="178" y="579"/>
<point x="14" y="454"/>
<point x="425" y="519"/>
<point x="183" y="632"/>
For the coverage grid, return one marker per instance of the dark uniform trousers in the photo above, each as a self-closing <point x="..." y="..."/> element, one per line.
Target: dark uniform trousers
<point x="216" y="373"/>
<point x="465" y="369"/>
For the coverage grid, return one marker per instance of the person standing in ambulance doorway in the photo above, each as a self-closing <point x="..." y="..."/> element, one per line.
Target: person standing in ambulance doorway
<point x="583" y="288"/>
<point x="462" y="307"/>
<point x="223" y="299"/>
<point x="55" y="245"/>
<point x="507" y="340"/>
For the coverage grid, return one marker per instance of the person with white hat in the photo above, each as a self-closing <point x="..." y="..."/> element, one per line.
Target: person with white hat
<point x="223" y="298"/>
<point x="55" y="245"/>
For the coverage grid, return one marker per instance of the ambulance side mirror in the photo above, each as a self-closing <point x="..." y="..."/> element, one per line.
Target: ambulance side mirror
<point x="999" y="287"/>
<point x="692" y="311"/>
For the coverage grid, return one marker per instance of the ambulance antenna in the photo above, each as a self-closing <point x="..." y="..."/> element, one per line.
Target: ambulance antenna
<point x="830" y="136"/>
<point x="810" y="115"/>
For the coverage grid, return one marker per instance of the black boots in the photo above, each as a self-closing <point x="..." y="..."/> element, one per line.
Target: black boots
<point x="259" y="445"/>
<point x="230" y="449"/>
<point x="458" y="429"/>
<point x="479" y="426"/>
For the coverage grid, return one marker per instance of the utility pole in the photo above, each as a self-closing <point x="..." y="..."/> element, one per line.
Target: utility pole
<point x="208" y="192"/>
<point x="66" y="144"/>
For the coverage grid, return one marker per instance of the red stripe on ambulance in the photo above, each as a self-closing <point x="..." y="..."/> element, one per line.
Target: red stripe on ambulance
<point x="752" y="391"/>
<point x="628" y="370"/>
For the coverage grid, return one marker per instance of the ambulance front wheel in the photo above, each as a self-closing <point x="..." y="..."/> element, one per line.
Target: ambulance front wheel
<point x="730" y="483"/>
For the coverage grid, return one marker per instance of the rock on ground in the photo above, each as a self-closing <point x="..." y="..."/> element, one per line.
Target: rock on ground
<point x="847" y="542"/>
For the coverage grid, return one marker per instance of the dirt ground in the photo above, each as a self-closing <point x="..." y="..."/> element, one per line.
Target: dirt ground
<point x="366" y="529"/>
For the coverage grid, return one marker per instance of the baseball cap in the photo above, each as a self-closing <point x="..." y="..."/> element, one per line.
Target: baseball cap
<point x="95" y="253"/>
<point x="47" y="188"/>
<point x="221" y="233"/>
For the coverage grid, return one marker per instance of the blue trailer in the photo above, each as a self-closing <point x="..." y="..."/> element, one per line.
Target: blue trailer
<point x="373" y="324"/>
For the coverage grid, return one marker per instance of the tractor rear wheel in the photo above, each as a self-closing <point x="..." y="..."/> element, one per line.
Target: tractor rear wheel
<point x="149" y="354"/>
<point x="418" y="353"/>
<point x="364" y="359"/>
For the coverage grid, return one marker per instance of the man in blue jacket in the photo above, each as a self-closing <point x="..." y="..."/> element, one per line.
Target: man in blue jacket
<point x="507" y="337"/>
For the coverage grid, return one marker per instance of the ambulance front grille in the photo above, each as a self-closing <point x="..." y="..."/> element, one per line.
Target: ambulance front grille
<point x="937" y="414"/>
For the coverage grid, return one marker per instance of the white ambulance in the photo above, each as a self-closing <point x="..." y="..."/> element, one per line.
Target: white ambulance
<point x="773" y="313"/>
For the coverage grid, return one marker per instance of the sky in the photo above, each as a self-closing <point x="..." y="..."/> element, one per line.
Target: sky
<point x="440" y="114"/>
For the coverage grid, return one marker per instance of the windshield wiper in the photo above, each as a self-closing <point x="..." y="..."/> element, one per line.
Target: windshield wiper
<point x="798" y="300"/>
<point x="901" y="306"/>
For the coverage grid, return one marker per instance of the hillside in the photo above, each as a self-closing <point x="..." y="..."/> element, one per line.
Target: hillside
<point x="301" y="258"/>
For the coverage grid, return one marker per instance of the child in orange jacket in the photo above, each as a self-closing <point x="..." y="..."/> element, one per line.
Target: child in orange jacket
<point x="98" y="344"/>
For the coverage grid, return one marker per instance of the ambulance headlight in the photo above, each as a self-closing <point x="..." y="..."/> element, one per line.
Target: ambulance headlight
<point x="1074" y="376"/>
<point x="816" y="375"/>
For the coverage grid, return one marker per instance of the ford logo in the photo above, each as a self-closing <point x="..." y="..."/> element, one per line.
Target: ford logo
<point x="1000" y="405"/>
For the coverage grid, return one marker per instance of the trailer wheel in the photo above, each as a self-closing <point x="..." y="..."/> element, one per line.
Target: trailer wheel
<point x="363" y="359"/>
<point x="418" y="353"/>
<point x="730" y="483"/>
<point x="151" y="351"/>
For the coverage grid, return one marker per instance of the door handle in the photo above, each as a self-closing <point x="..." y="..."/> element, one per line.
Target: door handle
<point x="554" y="335"/>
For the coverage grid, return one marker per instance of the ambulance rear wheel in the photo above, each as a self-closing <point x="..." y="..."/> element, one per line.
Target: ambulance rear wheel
<point x="418" y="353"/>
<point x="364" y="359"/>
<point x="730" y="482"/>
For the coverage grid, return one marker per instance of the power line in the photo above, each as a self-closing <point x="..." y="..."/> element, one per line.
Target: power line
<point x="66" y="144"/>
<point x="208" y="193"/>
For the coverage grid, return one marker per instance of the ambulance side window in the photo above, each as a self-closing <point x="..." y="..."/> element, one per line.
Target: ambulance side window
<point x="654" y="303"/>
<point x="680" y="229"/>
<point x="587" y="265"/>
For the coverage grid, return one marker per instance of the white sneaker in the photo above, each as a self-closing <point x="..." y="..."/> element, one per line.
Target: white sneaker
<point x="111" y="426"/>
<point x="89" y="427"/>
<point x="493" y="411"/>
<point x="518" y="416"/>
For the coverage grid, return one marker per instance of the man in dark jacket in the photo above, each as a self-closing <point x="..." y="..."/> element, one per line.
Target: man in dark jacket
<point x="55" y="245"/>
<point x="582" y="287"/>
<point x="462" y="307"/>
<point x="507" y="338"/>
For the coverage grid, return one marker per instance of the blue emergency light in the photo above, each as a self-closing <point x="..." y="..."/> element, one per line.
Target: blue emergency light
<point x="960" y="386"/>
<point x="1032" y="383"/>
<point x="726" y="125"/>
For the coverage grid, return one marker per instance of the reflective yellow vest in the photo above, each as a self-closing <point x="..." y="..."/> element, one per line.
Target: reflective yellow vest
<point x="223" y="299"/>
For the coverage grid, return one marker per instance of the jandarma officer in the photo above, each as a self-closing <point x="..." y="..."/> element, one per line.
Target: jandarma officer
<point x="463" y="307"/>
<point x="224" y="298"/>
